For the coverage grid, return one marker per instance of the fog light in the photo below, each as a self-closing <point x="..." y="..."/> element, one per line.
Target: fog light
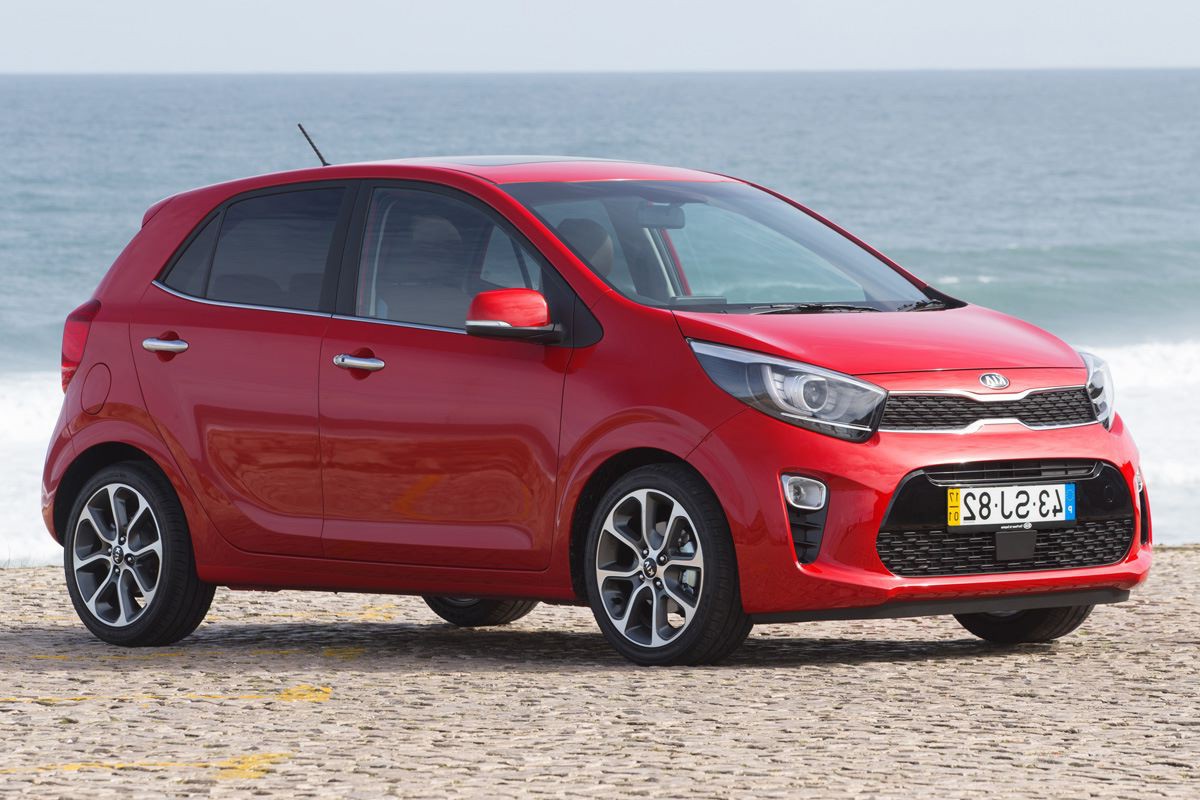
<point x="806" y="494"/>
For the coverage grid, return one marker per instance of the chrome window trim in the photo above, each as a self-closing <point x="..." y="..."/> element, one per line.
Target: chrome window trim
<point x="987" y="398"/>
<point x="979" y="423"/>
<point x="397" y="324"/>
<point x="230" y="304"/>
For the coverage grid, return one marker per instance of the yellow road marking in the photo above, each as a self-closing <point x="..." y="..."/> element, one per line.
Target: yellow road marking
<point x="303" y="692"/>
<point x="339" y="652"/>
<point x="344" y="653"/>
<point x="244" y="767"/>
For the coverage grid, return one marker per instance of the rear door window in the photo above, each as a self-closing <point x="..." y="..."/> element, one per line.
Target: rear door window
<point x="273" y="250"/>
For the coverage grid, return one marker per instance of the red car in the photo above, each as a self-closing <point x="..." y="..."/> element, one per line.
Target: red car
<point x="680" y="398"/>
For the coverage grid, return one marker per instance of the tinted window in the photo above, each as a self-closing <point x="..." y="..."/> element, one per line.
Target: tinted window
<point x="190" y="272"/>
<point x="425" y="255"/>
<point x="273" y="250"/>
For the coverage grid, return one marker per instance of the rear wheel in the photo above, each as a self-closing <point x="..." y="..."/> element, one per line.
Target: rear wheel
<point x="1021" y="627"/>
<point x="128" y="559"/>
<point x="472" y="612"/>
<point x="661" y="572"/>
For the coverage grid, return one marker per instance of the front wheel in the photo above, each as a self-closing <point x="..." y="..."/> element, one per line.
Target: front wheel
<point x="661" y="571"/>
<point x="128" y="559"/>
<point x="1023" y="627"/>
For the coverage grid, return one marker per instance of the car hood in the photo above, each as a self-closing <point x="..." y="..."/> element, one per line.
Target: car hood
<point x="863" y="343"/>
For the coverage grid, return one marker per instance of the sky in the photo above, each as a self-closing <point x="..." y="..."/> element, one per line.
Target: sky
<point x="158" y="36"/>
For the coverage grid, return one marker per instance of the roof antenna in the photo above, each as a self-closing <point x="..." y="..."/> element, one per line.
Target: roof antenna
<point x="324" y="163"/>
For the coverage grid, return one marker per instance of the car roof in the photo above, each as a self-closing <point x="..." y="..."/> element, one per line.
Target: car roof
<point x="530" y="168"/>
<point x="492" y="169"/>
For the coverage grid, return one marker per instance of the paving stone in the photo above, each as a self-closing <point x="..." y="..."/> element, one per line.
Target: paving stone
<point x="304" y="694"/>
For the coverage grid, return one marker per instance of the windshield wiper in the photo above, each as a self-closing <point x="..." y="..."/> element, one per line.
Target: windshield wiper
<point x="807" y="308"/>
<point x="922" y="305"/>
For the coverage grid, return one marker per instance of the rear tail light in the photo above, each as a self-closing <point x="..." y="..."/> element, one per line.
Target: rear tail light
<point x="75" y="335"/>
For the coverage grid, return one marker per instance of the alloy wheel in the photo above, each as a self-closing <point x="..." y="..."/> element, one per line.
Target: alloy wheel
<point x="649" y="568"/>
<point x="117" y="555"/>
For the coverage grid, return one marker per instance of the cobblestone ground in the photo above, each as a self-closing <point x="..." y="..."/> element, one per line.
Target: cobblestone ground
<point x="305" y="694"/>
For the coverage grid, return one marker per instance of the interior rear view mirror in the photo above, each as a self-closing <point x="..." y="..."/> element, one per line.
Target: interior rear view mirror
<point x="660" y="215"/>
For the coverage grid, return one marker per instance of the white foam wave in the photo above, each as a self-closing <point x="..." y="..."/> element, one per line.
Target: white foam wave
<point x="1157" y="383"/>
<point x="29" y="404"/>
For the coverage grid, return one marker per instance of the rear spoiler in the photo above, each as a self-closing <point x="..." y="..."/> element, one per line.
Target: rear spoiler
<point x="154" y="209"/>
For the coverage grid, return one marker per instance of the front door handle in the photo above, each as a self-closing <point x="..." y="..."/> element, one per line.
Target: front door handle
<point x="164" y="345"/>
<point x="347" y="361"/>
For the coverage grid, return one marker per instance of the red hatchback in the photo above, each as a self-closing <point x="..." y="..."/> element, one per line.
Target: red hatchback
<point x="680" y="398"/>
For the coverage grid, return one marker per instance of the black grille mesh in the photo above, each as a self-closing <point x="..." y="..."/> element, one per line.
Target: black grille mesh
<point x="941" y="551"/>
<point x="923" y="412"/>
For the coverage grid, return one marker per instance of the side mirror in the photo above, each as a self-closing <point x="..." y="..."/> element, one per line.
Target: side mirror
<point x="512" y="314"/>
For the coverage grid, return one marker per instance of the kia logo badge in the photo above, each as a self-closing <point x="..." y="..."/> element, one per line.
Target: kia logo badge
<point x="993" y="380"/>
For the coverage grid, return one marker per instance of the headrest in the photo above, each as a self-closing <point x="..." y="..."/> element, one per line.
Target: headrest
<point x="590" y="240"/>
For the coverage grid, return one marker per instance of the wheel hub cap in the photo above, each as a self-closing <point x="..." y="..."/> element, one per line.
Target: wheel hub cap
<point x="116" y="555"/>
<point x="649" y="568"/>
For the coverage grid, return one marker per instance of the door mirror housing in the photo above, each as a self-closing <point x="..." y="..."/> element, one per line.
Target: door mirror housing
<point x="512" y="314"/>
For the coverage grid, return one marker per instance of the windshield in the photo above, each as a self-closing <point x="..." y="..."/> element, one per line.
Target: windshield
<point x="720" y="246"/>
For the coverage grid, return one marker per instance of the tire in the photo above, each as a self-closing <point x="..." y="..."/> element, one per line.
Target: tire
<point x="672" y="596"/>
<point x="471" y="612"/>
<point x="133" y="583"/>
<point x="1025" y="627"/>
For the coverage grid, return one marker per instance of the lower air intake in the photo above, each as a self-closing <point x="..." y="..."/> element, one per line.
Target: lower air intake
<point x="939" y="551"/>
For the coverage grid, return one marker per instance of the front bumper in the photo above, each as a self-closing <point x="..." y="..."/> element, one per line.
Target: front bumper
<point x="744" y="458"/>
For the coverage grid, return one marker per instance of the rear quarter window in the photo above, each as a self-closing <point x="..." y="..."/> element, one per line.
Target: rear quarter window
<point x="189" y="274"/>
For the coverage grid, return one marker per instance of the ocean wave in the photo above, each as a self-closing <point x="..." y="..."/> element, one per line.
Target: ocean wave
<point x="1154" y="383"/>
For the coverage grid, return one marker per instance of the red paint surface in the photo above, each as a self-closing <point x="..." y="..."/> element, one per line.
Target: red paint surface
<point x="457" y="469"/>
<point x="520" y="308"/>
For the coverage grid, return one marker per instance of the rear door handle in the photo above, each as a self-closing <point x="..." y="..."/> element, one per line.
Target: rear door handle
<point x="347" y="361"/>
<point x="164" y="345"/>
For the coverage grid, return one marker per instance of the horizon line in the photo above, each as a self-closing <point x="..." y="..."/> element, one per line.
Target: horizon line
<point x="567" y="72"/>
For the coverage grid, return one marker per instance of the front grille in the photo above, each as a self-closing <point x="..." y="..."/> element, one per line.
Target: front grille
<point x="915" y="541"/>
<point x="996" y="473"/>
<point x="942" y="551"/>
<point x="951" y="412"/>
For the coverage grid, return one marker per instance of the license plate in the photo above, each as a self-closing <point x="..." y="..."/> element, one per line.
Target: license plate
<point x="1006" y="507"/>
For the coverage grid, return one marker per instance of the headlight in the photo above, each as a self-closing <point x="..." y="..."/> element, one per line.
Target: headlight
<point x="1100" y="387"/>
<point x="810" y="397"/>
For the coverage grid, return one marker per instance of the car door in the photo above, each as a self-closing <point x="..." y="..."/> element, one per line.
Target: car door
<point x="446" y="454"/>
<point x="226" y="346"/>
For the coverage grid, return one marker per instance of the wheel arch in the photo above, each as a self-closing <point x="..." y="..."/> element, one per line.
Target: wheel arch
<point x="83" y="467"/>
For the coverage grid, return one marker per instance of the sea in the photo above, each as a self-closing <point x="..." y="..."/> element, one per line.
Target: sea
<point x="1068" y="198"/>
